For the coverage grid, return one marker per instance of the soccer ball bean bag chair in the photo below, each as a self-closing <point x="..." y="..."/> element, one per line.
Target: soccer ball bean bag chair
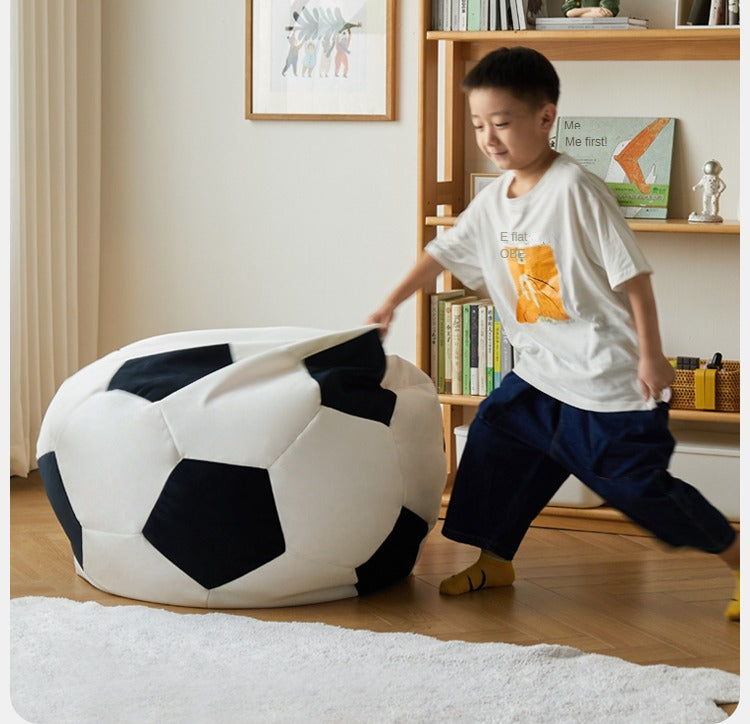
<point x="245" y="468"/>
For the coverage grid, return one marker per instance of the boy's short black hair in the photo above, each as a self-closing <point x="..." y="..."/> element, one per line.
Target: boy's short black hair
<point x="523" y="71"/>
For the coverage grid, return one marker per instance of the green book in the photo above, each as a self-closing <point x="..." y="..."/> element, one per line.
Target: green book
<point x="466" y="345"/>
<point x="474" y="15"/>
<point x="466" y="349"/>
<point x="489" y="351"/>
<point x="457" y="344"/>
<point x="632" y="155"/>
<point x="497" y="341"/>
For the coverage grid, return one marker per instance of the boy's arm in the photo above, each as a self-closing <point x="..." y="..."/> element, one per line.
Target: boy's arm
<point x="421" y="274"/>
<point x="654" y="371"/>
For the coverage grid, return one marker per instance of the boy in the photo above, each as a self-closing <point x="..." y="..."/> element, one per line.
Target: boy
<point x="549" y="244"/>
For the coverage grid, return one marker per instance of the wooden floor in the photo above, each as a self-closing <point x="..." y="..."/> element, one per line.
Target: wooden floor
<point x="625" y="596"/>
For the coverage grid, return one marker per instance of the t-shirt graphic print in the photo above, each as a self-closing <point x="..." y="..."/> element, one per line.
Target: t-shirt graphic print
<point x="537" y="281"/>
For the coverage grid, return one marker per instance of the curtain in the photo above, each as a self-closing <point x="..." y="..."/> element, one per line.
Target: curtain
<point x="54" y="212"/>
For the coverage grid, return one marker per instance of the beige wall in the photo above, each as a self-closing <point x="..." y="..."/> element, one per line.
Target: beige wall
<point x="696" y="276"/>
<point x="209" y="220"/>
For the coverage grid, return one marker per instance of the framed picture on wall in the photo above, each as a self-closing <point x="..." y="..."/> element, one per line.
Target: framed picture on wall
<point x="319" y="60"/>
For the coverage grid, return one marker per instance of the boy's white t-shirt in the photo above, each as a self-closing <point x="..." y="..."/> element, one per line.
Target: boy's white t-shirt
<point x="553" y="262"/>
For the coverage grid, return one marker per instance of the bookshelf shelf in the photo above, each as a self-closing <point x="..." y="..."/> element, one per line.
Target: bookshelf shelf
<point x="683" y="226"/>
<point x="662" y="226"/>
<point x="442" y="173"/>
<point x="652" y="44"/>
<point x="732" y="418"/>
<point x="729" y="418"/>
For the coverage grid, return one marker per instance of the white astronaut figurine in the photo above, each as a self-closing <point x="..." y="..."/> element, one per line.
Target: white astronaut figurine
<point x="712" y="188"/>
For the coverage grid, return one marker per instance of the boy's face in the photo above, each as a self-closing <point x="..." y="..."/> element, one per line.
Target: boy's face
<point x="510" y="132"/>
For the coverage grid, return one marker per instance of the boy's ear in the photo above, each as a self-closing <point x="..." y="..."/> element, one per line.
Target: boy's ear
<point x="548" y="115"/>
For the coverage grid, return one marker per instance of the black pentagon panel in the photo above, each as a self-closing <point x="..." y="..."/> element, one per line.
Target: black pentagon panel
<point x="157" y="375"/>
<point x="396" y="556"/>
<point x="58" y="498"/>
<point x="349" y="376"/>
<point x="215" y="521"/>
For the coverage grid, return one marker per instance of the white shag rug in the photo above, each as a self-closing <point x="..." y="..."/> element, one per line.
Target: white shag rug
<point x="84" y="662"/>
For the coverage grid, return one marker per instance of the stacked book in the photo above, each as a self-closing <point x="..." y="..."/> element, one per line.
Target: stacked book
<point x="471" y="15"/>
<point x="711" y="12"/>
<point x="615" y="23"/>
<point x="469" y="352"/>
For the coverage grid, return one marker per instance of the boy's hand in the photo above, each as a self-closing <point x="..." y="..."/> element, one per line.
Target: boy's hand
<point x="383" y="317"/>
<point x="421" y="275"/>
<point x="655" y="374"/>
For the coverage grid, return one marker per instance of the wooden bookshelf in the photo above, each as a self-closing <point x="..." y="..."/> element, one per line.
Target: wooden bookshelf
<point x="442" y="58"/>
<point x="683" y="226"/>
<point x="729" y="418"/>
<point x="651" y="44"/>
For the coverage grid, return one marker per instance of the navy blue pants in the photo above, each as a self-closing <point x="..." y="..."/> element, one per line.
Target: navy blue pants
<point x="522" y="446"/>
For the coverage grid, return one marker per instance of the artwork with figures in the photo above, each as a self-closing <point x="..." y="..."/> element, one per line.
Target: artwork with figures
<point x="319" y="58"/>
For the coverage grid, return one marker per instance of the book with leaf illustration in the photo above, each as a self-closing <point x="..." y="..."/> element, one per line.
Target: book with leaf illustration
<point x="632" y="155"/>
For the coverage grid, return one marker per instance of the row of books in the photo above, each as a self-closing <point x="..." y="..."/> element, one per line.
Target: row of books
<point x="714" y="12"/>
<point x="469" y="352"/>
<point x="486" y="14"/>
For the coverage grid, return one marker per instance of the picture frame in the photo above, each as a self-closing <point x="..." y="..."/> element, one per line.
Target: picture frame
<point x="320" y="60"/>
<point x="477" y="181"/>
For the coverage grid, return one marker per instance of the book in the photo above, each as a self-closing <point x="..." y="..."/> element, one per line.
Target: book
<point x="456" y="387"/>
<point x="484" y="14"/>
<point x="615" y="23"/>
<point x="497" y="328"/>
<point x="699" y="11"/>
<point x="733" y="12"/>
<point x="448" y="334"/>
<point x="504" y="15"/>
<point x="520" y="14"/>
<point x="484" y="335"/>
<point x="481" y="386"/>
<point x="506" y="356"/>
<point x="632" y="155"/>
<point x="474" y="15"/>
<point x="469" y="349"/>
<point x="475" y="347"/>
<point x="716" y="13"/>
<point x="513" y="16"/>
<point x="437" y="335"/>
<point x="489" y="349"/>
<point x="463" y="13"/>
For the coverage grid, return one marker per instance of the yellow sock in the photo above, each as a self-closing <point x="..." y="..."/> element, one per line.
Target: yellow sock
<point x="732" y="611"/>
<point x="487" y="572"/>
